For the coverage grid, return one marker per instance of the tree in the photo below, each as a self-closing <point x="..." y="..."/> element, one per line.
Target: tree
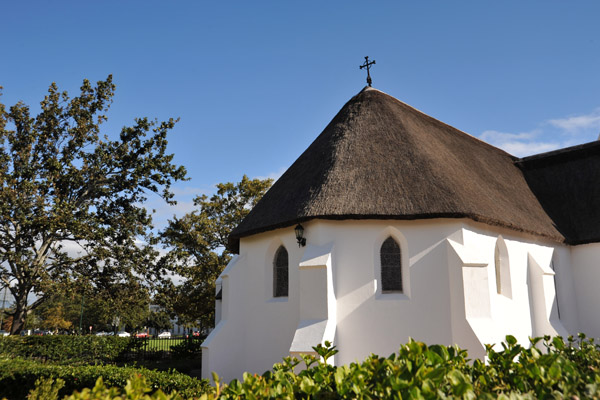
<point x="56" y="319"/>
<point x="197" y="243"/>
<point x="64" y="187"/>
<point x="97" y="306"/>
<point x="109" y="305"/>
<point x="159" y="320"/>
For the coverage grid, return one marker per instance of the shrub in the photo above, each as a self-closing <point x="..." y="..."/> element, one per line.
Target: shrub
<point x="550" y="368"/>
<point x="136" y="388"/>
<point x="189" y="348"/>
<point x="18" y="376"/>
<point x="46" y="389"/>
<point x="63" y="348"/>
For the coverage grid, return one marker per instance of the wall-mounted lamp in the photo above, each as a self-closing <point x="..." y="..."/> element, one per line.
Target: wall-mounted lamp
<point x="300" y="235"/>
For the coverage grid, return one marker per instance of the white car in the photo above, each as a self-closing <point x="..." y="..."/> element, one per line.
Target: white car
<point x="4" y="333"/>
<point x="165" y="334"/>
<point x="123" y="334"/>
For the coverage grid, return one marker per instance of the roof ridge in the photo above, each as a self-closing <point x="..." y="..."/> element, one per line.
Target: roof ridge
<point x="480" y="141"/>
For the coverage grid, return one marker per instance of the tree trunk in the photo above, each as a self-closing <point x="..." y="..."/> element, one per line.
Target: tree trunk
<point x="20" y="314"/>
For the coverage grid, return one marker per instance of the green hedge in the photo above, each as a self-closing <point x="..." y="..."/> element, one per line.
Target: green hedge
<point x="18" y="377"/>
<point x="548" y="369"/>
<point x="64" y="348"/>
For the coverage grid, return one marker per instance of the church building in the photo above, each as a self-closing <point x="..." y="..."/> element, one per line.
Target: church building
<point x="393" y="225"/>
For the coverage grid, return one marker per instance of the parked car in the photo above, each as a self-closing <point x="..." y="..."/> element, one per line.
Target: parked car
<point x="123" y="334"/>
<point x="141" y="335"/>
<point x="102" y="333"/>
<point x="165" y="334"/>
<point x="4" y="333"/>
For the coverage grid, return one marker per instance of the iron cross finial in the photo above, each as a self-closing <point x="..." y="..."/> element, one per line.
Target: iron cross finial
<point x="366" y="65"/>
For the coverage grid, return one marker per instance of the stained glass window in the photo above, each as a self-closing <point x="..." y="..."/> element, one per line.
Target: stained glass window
<point x="391" y="268"/>
<point x="280" y="273"/>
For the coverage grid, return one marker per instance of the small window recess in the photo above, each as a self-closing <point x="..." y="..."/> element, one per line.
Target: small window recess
<point x="391" y="266"/>
<point x="502" y="268"/>
<point x="281" y="273"/>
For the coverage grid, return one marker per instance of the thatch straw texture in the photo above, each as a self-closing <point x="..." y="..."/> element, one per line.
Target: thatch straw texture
<point x="567" y="184"/>
<point x="382" y="159"/>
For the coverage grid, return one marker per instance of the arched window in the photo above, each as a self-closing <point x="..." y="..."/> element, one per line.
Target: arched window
<point x="280" y="273"/>
<point x="391" y="266"/>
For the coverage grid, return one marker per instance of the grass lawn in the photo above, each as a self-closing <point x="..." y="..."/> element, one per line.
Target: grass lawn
<point x="162" y="344"/>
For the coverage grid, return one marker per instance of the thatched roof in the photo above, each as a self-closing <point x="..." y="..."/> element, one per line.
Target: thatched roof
<point x="382" y="159"/>
<point x="567" y="184"/>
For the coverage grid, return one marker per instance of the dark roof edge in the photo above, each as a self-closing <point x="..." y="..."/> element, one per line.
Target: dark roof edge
<point x="559" y="155"/>
<point x="234" y="241"/>
<point x="581" y="242"/>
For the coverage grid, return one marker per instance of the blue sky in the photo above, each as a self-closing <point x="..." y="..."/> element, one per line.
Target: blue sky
<point x="255" y="82"/>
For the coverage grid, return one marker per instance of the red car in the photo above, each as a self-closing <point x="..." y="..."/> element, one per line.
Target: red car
<point x="141" y="335"/>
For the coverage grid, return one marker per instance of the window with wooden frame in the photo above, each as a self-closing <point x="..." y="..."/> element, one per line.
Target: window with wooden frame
<point x="391" y="266"/>
<point x="280" y="273"/>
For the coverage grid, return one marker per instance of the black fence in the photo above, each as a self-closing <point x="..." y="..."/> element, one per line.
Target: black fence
<point x="154" y="348"/>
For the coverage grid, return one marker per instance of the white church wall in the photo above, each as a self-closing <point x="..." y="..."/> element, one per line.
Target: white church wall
<point x="318" y="303"/>
<point x="255" y="328"/>
<point x="270" y="322"/>
<point x="470" y="303"/>
<point x="222" y="347"/>
<point x="530" y="307"/>
<point x="563" y="264"/>
<point x="586" y="271"/>
<point x="369" y="321"/>
<point x="443" y="261"/>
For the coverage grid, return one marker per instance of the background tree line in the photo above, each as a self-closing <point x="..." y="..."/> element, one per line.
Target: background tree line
<point x="73" y="227"/>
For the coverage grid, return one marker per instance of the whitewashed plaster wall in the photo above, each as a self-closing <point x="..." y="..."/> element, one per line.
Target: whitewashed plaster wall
<point x="567" y="294"/>
<point x="526" y="304"/>
<point x="586" y="271"/>
<point x="255" y="329"/>
<point x="449" y="292"/>
<point x="370" y="321"/>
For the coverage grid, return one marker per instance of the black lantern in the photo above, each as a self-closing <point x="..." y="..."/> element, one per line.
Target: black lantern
<point x="300" y="235"/>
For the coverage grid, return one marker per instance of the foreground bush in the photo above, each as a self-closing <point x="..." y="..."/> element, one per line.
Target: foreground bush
<point x="18" y="376"/>
<point x="549" y="369"/>
<point x="136" y="388"/>
<point x="64" y="348"/>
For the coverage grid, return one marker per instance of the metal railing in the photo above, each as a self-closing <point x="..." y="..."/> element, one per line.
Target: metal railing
<point x="154" y="348"/>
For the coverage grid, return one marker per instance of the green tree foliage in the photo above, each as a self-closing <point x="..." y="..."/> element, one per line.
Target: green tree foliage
<point x="64" y="186"/>
<point x="106" y="308"/>
<point x="159" y="320"/>
<point x="197" y="243"/>
<point x="122" y="305"/>
<point x="56" y="318"/>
